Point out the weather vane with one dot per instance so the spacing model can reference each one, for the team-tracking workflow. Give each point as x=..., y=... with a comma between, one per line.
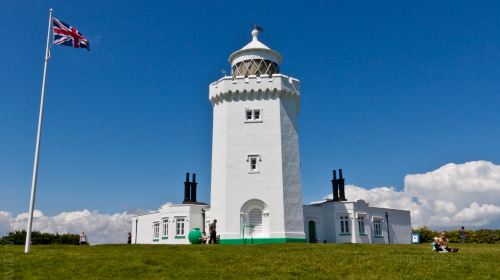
x=257, y=27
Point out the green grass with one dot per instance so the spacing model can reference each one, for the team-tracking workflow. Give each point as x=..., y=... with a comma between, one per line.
x=280, y=261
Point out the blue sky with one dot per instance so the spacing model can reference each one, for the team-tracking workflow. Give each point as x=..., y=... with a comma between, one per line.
x=388, y=89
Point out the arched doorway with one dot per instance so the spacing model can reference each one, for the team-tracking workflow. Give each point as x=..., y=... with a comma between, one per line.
x=254, y=219
x=312, y=231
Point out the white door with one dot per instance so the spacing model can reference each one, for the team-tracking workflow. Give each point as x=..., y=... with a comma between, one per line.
x=255, y=222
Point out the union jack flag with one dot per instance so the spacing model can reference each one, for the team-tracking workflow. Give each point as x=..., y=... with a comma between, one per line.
x=68, y=35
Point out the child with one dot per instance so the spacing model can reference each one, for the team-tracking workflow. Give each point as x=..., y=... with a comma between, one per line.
x=436, y=247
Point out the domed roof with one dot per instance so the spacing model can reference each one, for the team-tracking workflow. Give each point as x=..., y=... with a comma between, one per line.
x=255, y=50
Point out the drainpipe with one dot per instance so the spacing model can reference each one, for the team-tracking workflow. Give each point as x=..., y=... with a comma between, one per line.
x=136, y=221
x=203, y=220
x=388, y=231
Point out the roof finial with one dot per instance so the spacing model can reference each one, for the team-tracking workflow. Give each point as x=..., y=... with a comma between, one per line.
x=256, y=30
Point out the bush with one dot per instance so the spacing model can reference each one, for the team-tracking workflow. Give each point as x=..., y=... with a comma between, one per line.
x=426, y=234
x=472, y=236
x=38, y=238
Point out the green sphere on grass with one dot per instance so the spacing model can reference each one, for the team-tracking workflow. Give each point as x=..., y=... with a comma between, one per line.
x=195, y=236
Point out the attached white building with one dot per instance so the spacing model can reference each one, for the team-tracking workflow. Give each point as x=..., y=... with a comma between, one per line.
x=171, y=224
x=256, y=193
x=355, y=222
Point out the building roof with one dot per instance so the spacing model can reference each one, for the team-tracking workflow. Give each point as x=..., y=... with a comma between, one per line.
x=256, y=48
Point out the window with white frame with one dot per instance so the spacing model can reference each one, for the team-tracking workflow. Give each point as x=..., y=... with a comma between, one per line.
x=253, y=163
x=344, y=224
x=253, y=115
x=377, y=227
x=165, y=227
x=156, y=230
x=361, y=225
x=179, y=226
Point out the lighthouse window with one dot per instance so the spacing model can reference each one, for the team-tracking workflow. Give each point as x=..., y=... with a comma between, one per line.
x=179, y=226
x=249, y=115
x=253, y=115
x=253, y=163
x=256, y=114
x=344, y=224
x=156, y=230
x=257, y=67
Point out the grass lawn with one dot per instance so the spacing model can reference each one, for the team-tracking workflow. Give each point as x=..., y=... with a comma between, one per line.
x=280, y=261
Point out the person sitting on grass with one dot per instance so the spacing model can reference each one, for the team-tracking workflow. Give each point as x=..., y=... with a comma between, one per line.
x=204, y=238
x=436, y=247
x=443, y=243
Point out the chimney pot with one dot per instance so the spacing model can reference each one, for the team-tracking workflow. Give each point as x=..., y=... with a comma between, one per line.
x=187, y=191
x=335, y=186
x=193, y=189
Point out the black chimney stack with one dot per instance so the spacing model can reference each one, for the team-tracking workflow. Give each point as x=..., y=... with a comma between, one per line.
x=193, y=189
x=335, y=186
x=187, y=195
x=341, y=186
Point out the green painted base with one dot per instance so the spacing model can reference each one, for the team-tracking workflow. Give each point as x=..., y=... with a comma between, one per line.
x=262, y=240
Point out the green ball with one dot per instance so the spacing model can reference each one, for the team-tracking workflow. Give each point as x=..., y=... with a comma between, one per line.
x=195, y=236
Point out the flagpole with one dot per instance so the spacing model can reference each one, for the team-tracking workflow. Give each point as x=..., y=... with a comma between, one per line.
x=38, y=138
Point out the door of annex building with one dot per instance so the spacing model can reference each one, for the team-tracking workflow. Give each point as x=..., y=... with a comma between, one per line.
x=312, y=232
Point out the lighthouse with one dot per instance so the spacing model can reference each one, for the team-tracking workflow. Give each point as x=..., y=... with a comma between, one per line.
x=255, y=186
x=256, y=194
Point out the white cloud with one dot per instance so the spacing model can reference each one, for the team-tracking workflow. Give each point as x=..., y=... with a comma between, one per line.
x=453, y=195
x=100, y=228
x=5, y=219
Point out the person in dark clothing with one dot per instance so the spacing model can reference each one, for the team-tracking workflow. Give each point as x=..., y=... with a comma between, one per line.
x=213, y=232
x=462, y=234
x=129, y=239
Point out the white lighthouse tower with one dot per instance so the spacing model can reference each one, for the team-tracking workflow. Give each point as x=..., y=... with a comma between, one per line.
x=256, y=191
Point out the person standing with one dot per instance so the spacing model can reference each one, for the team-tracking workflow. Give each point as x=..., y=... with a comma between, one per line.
x=129, y=239
x=462, y=234
x=213, y=232
x=83, y=239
